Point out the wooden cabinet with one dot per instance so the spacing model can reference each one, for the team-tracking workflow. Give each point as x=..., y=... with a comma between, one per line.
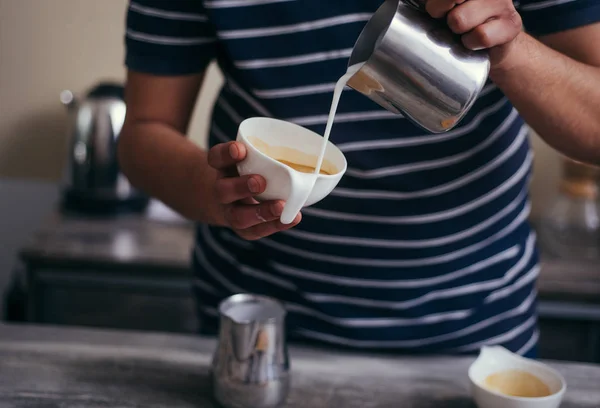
x=94, y=298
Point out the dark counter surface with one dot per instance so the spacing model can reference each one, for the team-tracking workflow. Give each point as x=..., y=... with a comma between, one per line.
x=145, y=243
x=135, y=239
x=24, y=205
x=569, y=281
x=72, y=368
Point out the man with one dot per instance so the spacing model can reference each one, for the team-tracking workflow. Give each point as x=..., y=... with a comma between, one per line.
x=425, y=244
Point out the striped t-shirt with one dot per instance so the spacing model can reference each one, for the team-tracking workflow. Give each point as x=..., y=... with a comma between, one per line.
x=425, y=244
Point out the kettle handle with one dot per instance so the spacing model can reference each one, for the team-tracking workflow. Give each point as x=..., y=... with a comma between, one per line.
x=107, y=90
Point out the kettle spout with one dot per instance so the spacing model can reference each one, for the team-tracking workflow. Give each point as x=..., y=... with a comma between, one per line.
x=68, y=99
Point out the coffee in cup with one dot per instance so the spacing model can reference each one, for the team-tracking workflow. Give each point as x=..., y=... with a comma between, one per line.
x=284, y=154
x=294, y=158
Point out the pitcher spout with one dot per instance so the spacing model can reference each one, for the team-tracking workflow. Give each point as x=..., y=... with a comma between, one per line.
x=495, y=354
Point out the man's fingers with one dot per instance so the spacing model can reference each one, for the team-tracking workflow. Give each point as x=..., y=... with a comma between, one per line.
x=249, y=200
x=226, y=155
x=267, y=228
x=242, y=216
x=491, y=34
x=470, y=14
x=233, y=189
x=439, y=8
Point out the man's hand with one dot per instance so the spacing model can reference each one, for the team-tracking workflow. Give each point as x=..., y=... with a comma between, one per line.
x=483, y=24
x=250, y=219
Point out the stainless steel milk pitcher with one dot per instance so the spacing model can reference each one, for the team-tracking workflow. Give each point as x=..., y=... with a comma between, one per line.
x=412, y=64
x=251, y=367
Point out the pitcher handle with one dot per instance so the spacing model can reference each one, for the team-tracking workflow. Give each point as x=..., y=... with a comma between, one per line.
x=418, y=4
x=301, y=186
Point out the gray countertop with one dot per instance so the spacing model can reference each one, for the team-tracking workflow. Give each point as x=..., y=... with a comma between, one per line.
x=136, y=240
x=73, y=368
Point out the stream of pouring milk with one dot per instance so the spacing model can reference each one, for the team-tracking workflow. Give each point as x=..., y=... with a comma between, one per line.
x=337, y=93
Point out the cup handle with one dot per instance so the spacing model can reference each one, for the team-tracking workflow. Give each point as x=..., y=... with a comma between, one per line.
x=300, y=189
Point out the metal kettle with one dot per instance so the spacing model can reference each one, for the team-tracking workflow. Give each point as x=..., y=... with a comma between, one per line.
x=92, y=180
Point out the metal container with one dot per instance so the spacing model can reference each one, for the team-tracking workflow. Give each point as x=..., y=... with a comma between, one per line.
x=250, y=368
x=412, y=64
x=92, y=180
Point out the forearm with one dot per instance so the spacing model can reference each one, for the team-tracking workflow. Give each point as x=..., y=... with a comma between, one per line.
x=557, y=96
x=159, y=160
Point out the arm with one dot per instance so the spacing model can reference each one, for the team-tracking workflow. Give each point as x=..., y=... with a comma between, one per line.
x=153, y=152
x=555, y=86
x=203, y=186
x=169, y=45
x=554, y=80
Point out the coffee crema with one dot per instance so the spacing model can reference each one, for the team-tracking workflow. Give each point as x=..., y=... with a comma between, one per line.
x=293, y=158
x=516, y=383
x=302, y=168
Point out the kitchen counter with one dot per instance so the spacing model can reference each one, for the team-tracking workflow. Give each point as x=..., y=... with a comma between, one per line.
x=72, y=368
x=24, y=205
x=145, y=244
x=125, y=271
x=572, y=281
x=134, y=240
x=133, y=272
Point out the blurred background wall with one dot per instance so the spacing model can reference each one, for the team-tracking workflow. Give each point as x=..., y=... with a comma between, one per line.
x=50, y=45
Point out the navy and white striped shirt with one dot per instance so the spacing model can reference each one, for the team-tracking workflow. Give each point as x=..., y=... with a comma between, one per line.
x=425, y=244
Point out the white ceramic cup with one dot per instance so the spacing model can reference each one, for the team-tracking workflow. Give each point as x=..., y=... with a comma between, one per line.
x=493, y=359
x=277, y=138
